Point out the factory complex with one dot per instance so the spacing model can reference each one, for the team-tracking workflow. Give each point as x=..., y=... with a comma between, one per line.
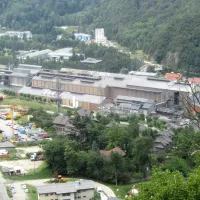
x=91, y=89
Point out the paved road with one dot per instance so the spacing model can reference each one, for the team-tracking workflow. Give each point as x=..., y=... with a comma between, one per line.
x=3, y=192
x=7, y=130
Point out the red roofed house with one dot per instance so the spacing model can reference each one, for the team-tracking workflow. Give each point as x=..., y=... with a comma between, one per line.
x=173, y=76
x=194, y=80
x=107, y=154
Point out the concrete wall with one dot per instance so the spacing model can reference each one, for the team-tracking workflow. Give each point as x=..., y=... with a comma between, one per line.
x=8, y=148
x=20, y=80
x=85, y=105
x=84, y=194
x=80, y=195
x=54, y=196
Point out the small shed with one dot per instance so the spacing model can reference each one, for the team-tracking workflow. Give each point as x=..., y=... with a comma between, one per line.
x=7, y=146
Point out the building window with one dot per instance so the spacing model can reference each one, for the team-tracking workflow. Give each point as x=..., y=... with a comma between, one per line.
x=46, y=195
x=84, y=196
x=51, y=193
x=79, y=197
x=66, y=194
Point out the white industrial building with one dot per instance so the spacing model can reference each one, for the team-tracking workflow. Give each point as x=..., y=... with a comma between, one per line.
x=43, y=54
x=100, y=36
x=61, y=54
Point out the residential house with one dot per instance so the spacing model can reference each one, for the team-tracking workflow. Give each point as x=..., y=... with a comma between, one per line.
x=81, y=190
x=107, y=154
x=64, y=126
x=163, y=142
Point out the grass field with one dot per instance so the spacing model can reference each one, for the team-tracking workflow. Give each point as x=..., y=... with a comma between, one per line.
x=9, y=100
x=121, y=190
x=32, y=195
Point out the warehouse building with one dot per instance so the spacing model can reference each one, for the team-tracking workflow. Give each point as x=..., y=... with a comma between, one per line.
x=43, y=54
x=111, y=85
x=61, y=54
x=20, y=76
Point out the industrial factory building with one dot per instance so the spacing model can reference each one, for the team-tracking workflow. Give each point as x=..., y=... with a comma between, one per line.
x=110, y=85
x=20, y=76
x=89, y=89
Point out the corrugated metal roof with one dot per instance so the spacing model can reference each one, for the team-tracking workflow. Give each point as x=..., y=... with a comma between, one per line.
x=70, y=187
x=133, y=82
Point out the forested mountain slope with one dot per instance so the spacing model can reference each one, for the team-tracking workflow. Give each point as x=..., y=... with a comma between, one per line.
x=156, y=26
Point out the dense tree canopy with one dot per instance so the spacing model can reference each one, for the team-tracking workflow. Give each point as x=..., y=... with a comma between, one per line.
x=160, y=28
x=171, y=186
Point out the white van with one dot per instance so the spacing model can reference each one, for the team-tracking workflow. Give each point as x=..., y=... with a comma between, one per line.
x=99, y=190
x=3, y=152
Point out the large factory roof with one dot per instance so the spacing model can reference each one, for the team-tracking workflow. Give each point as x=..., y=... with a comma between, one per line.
x=91, y=61
x=135, y=99
x=65, y=52
x=34, y=69
x=38, y=53
x=121, y=81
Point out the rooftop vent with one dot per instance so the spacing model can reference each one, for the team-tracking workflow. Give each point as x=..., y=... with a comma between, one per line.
x=66, y=79
x=46, y=76
x=118, y=77
x=157, y=79
x=87, y=81
x=75, y=92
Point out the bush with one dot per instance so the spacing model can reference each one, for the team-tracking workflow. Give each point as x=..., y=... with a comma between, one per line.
x=138, y=176
x=28, y=155
x=123, y=119
x=9, y=192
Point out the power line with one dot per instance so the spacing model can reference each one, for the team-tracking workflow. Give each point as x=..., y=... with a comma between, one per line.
x=58, y=89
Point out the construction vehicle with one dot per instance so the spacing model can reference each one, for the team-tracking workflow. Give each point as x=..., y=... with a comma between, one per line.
x=37, y=156
x=59, y=179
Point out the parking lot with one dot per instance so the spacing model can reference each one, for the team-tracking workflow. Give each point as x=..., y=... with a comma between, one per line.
x=7, y=130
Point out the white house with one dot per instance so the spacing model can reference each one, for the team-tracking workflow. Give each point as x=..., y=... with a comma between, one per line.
x=82, y=190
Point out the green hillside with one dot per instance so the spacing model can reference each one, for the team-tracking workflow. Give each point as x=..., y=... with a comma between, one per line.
x=158, y=27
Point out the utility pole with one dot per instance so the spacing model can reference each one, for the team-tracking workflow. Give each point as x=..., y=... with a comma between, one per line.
x=58, y=93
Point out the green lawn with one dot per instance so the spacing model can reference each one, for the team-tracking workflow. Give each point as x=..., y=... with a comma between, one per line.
x=70, y=29
x=10, y=100
x=43, y=172
x=32, y=195
x=121, y=190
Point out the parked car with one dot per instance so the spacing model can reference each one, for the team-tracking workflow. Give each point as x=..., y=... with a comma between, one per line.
x=9, y=123
x=3, y=152
x=99, y=190
x=185, y=122
x=24, y=187
x=15, y=127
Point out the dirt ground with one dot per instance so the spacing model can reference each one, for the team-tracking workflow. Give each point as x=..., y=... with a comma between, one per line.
x=25, y=150
x=25, y=164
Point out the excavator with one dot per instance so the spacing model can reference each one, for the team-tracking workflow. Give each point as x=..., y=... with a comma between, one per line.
x=58, y=178
x=10, y=115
